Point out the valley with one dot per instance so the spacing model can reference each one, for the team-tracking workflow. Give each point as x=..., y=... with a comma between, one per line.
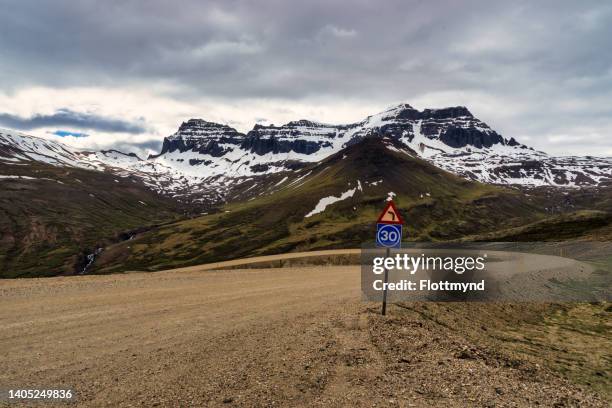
x=437, y=204
x=213, y=191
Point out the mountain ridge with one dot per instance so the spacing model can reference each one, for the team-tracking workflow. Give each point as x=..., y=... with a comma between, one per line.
x=330, y=204
x=211, y=163
x=98, y=212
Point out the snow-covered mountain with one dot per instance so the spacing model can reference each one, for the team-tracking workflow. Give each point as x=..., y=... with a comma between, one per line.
x=451, y=138
x=211, y=163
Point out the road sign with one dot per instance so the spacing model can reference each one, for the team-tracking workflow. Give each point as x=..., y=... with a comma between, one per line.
x=389, y=235
x=390, y=215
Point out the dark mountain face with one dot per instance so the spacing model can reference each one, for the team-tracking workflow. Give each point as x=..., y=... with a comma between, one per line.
x=208, y=138
x=200, y=136
x=256, y=143
x=405, y=111
x=302, y=137
x=461, y=137
x=446, y=113
x=455, y=126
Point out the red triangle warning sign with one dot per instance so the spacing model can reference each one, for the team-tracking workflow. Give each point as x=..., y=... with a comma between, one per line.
x=390, y=215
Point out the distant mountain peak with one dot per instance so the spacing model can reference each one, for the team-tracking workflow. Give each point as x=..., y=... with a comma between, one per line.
x=198, y=123
x=400, y=111
x=211, y=162
x=446, y=113
x=201, y=136
x=201, y=127
x=305, y=123
x=405, y=111
x=399, y=107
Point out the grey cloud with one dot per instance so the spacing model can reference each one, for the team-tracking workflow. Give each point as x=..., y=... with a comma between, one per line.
x=296, y=50
x=528, y=53
x=69, y=118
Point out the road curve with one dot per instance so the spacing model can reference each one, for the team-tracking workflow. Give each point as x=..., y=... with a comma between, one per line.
x=197, y=336
x=269, y=258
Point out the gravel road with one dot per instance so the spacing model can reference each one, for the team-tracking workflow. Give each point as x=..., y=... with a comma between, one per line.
x=254, y=337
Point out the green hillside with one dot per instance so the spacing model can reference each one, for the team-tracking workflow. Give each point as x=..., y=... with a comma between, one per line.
x=52, y=217
x=584, y=224
x=435, y=204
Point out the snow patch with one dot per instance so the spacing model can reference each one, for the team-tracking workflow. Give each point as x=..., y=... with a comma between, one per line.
x=16, y=177
x=326, y=201
x=282, y=181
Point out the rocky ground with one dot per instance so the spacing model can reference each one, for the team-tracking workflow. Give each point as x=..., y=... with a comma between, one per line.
x=291, y=337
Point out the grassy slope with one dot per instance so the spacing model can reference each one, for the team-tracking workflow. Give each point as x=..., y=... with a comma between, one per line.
x=47, y=226
x=436, y=205
x=584, y=224
x=572, y=339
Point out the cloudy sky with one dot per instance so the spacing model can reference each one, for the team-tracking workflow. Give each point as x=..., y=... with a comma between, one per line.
x=124, y=74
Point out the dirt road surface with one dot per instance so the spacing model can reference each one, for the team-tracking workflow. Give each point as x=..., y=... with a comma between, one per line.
x=259, y=337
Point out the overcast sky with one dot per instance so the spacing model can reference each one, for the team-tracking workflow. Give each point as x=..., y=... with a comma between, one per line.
x=125, y=74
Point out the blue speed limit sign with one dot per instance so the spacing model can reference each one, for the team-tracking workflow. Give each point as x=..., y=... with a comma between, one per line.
x=389, y=235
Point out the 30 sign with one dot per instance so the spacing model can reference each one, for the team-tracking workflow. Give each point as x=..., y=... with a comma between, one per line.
x=389, y=227
x=389, y=235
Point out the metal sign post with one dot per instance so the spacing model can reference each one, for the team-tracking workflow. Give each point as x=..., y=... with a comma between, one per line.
x=384, y=305
x=388, y=235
